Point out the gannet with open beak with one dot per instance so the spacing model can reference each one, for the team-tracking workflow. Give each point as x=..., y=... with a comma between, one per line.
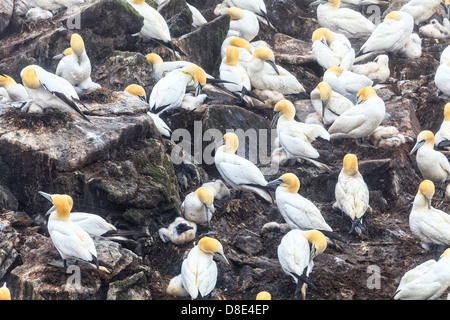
x=258, y=7
x=199, y=270
x=168, y=93
x=243, y=24
x=362, y=119
x=427, y=281
x=429, y=225
x=240, y=173
x=420, y=10
x=391, y=35
x=5, y=294
x=378, y=69
x=442, y=78
x=351, y=193
x=296, y=254
x=346, y=82
x=48, y=90
x=198, y=206
x=76, y=66
x=328, y=103
x=442, y=136
x=155, y=27
x=297, y=211
x=265, y=74
x=179, y=232
x=346, y=21
x=332, y=49
x=16, y=91
x=296, y=137
x=139, y=92
x=433, y=165
x=71, y=241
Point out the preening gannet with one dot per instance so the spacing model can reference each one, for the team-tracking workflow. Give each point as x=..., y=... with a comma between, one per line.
x=346, y=21
x=178, y=232
x=296, y=254
x=243, y=24
x=199, y=270
x=139, y=92
x=362, y=119
x=442, y=78
x=16, y=91
x=332, y=49
x=297, y=211
x=265, y=74
x=198, y=206
x=258, y=7
x=5, y=294
x=328, y=103
x=351, y=193
x=378, y=69
x=391, y=35
x=345, y=82
x=429, y=225
x=76, y=66
x=442, y=136
x=296, y=137
x=168, y=93
x=48, y=90
x=197, y=18
x=427, y=281
x=240, y=173
x=420, y=10
x=433, y=165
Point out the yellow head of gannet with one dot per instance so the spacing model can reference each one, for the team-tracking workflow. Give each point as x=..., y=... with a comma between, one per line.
x=6, y=80
x=205, y=195
x=231, y=142
x=153, y=58
x=198, y=75
x=77, y=44
x=350, y=164
x=62, y=206
x=212, y=246
x=232, y=56
x=283, y=108
x=325, y=93
x=365, y=93
x=426, y=137
x=335, y=70
x=266, y=54
x=335, y=3
x=138, y=1
x=288, y=182
x=240, y=43
x=137, y=90
x=393, y=16
x=447, y=110
x=446, y=253
x=235, y=13
x=426, y=189
x=29, y=78
x=264, y=295
x=317, y=240
x=5, y=294
x=322, y=34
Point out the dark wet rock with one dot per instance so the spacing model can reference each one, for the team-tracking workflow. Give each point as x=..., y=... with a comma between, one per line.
x=6, y=11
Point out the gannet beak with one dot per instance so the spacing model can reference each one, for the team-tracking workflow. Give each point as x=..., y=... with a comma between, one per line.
x=273, y=65
x=276, y=115
x=275, y=182
x=323, y=110
x=198, y=90
x=417, y=146
x=46, y=196
x=59, y=56
x=429, y=203
x=222, y=257
x=312, y=253
x=50, y=210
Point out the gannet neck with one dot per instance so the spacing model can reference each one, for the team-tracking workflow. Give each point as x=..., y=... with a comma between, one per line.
x=205, y=195
x=350, y=164
x=77, y=44
x=232, y=56
x=231, y=142
x=447, y=111
x=235, y=13
x=62, y=207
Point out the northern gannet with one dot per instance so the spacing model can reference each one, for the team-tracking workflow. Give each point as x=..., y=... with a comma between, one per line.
x=245, y=49
x=362, y=119
x=346, y=82
x=16, y=91
x=442, y=136
x=199, y=270
x=198, y=206
x=332, y=49
x=351, y=193
x=240, y=173
x=429, y=225
x=243, y=24
x=5, y=293
x=296, y=254
x=48, y=90
x=378, y=69
x=442, y=78
x=391, y=35
x=179, y=232
x=197, y=18
x=420, y=10
x=76, y=67
x=346, y=21
x=258, y=7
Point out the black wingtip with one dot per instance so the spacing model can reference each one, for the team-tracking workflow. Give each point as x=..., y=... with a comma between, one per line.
x=182, y=227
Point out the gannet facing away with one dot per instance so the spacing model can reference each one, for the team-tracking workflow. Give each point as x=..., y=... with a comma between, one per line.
x=296, y=254
x=378, y=69
x=76, y=67
x=328, y=103
x=351, y=193
x=429, y=225
x=427, y=281
x=179, y=232
x=16, y=91
x=442, y=136
x=240, y=173
x=346, y=21
x=265, y=74
x=198, y=206
x=362, y=119
x=199, y=270
x=48, y=90
x=420, y=10
x=433, y=165
x=332, y=49
x=243, y=24
x=5, y=294
x=297, y=211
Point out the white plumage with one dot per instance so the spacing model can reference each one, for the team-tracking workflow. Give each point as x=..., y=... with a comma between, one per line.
x=178, y=232
x=198, y=206
x=442, y=78
x=346, y=82
x=378, y=69
x=420, y=10
x=243, y=24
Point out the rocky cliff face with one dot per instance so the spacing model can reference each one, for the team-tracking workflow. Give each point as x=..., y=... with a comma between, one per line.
x=120, y=167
